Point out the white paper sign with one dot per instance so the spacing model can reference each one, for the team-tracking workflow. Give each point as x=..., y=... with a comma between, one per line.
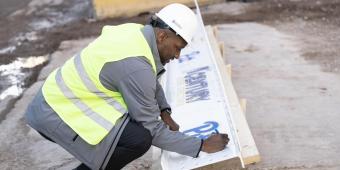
x=194, y=90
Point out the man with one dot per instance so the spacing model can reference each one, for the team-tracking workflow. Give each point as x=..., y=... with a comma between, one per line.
x=103, y=104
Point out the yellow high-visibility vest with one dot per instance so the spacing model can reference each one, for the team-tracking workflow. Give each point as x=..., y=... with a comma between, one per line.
x=75, y=92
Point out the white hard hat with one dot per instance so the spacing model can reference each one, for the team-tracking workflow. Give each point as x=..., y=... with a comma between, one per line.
x=181, y=19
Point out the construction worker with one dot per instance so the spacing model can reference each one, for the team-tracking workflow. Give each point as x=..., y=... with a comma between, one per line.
x=103, y=105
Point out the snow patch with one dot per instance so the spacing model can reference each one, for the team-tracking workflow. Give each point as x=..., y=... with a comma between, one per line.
x=29, y=62
x=28, y=36
x=15, y=76
x=11, y=91
x=9, y=49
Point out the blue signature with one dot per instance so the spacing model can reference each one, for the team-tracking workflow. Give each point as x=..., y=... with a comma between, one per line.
x=203, y=131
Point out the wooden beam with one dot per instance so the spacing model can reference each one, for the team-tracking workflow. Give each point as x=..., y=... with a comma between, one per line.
x=221, y=46
x=127, y=8
x=228, y=69
x=247, y=144
x=230, y=164
x=215, y=31
x=243, y=103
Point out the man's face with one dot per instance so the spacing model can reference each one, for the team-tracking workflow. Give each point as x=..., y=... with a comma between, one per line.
x=169, y=45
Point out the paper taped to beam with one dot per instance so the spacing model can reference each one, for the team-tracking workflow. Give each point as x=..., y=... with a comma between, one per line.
x=194, y=90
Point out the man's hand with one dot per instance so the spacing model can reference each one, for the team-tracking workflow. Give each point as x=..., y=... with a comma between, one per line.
x=215, y=143
x=169, y=121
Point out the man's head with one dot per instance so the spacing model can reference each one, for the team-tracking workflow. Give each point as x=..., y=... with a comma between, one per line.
x=174, y=26
x=169, y=44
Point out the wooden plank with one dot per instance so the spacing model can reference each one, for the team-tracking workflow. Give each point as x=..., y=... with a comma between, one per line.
x=128, y=8
x=215, y=30
x=248, y=147
x=228, y=70
x=221, y=43
x=243, y=103
x=230, y=164
x=221, y=46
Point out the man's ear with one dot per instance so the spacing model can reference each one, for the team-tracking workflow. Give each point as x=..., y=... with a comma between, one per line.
x=161, y=35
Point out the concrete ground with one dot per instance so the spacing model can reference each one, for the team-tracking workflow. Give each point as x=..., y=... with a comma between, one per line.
x=26, y=149
x=292, y=105
x=285, y=60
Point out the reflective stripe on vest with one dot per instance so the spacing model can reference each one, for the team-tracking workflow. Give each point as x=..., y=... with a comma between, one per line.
x=92, y=88
x=75, y=92
x=81, y=106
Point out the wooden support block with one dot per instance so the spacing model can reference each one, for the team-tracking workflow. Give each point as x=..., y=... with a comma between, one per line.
x=215, y=31
x=230, y=164
x=249, y=152
x=128, y=8
x=243, y=103
x=228, y=69
x=251, y=159
x=221, y=46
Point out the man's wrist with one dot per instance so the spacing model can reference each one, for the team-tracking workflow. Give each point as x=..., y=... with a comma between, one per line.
x=167, y=110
